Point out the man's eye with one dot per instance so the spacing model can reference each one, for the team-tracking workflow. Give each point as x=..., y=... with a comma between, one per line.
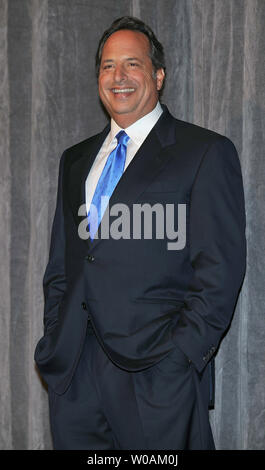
x=133, y=64
x=109, y=66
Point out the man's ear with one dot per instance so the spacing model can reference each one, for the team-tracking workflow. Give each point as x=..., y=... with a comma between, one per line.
x=160, y=76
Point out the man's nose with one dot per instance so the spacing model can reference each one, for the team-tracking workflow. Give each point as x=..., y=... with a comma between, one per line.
x=119, y=73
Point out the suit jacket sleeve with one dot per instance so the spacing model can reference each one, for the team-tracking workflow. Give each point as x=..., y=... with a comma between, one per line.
x=54, y=281
x=217, y=253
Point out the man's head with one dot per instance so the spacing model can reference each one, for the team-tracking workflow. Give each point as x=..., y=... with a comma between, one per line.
x=130, y=68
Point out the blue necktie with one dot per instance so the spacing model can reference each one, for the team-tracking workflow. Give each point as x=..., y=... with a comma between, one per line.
x=107, y=182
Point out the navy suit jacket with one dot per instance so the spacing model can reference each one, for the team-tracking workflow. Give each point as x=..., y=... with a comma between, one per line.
x=143, y=299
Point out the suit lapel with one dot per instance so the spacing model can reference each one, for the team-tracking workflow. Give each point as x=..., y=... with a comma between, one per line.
x=78, y=173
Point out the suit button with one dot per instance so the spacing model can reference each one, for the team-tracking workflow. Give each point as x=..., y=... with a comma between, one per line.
x=83, y=305
x=89, y=258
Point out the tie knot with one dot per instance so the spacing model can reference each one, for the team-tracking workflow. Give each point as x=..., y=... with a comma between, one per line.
x=122, y=138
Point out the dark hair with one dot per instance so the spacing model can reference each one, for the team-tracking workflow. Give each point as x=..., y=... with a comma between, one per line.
x=134, y=24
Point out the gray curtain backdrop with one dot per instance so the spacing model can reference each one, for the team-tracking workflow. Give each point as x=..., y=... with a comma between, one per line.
x=48, y=101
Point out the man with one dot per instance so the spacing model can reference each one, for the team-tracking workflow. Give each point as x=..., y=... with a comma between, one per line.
x=133, y=319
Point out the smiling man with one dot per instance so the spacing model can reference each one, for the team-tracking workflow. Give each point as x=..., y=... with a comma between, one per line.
x=128, y=84
x=131, y=327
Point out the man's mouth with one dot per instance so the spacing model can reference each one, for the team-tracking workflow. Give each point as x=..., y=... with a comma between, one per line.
x=123, y=90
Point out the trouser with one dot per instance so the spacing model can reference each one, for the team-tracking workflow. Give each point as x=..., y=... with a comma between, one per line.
x=106, y=407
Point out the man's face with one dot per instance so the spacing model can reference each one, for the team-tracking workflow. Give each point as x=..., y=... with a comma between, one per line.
x=128, y=86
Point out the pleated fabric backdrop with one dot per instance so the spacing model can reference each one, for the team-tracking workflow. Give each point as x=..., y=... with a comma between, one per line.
x=48, y=101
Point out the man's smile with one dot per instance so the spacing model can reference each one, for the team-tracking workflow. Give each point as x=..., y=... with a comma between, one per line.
x=123, y=90
x=122, y=93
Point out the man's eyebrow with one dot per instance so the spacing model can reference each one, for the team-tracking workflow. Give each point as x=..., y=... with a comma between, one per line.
x=127, y=58
x=134, y=58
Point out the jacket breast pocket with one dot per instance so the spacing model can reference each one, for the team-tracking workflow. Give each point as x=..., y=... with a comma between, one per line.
x=163, y=193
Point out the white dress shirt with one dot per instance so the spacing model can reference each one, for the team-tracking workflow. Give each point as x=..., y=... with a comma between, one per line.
x=138, y=131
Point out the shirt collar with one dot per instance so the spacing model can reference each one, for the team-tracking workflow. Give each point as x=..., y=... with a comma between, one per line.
x=139, y=130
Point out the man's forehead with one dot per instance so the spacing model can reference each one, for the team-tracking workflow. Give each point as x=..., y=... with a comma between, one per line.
x=126, y=39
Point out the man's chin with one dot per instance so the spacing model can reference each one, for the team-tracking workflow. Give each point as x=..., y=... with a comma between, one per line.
x=121, y=110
